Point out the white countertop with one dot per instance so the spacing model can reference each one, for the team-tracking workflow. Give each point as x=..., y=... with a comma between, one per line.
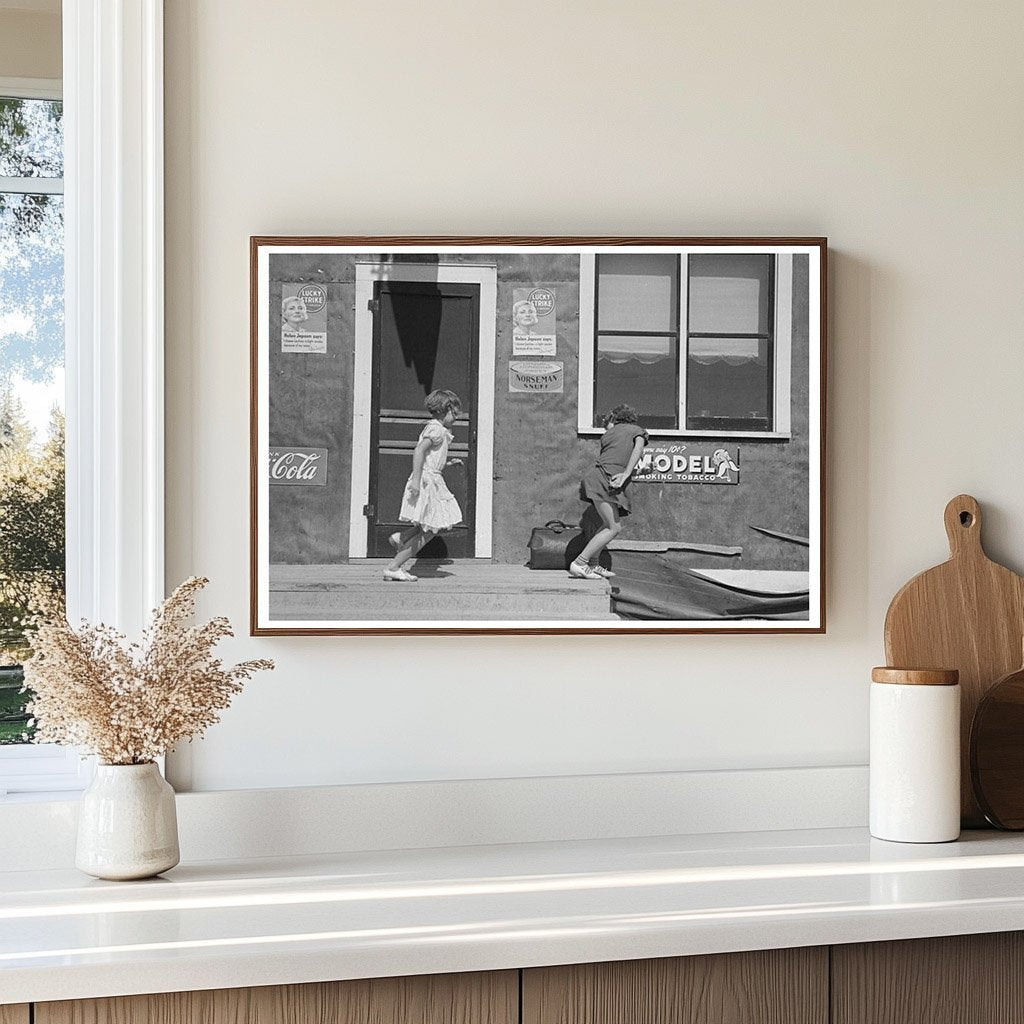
x=226, y=924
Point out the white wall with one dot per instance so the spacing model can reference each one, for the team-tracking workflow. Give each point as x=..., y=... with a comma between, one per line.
x=894, y=129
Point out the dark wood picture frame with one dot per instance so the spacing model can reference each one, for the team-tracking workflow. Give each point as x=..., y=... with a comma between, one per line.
x=388, y=245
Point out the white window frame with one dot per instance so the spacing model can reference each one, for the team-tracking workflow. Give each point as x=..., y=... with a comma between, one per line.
x=44, y=766
x=114, y=347
x=783, y=348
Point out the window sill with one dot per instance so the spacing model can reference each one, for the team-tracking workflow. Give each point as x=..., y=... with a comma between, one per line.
x=330, y=917
x=52, y=796
x=43, y=771
x=697, y=435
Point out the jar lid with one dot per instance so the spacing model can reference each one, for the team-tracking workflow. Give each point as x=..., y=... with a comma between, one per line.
x=916, y=676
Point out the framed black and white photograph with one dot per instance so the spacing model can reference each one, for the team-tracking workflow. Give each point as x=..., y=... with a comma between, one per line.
x=585, y=435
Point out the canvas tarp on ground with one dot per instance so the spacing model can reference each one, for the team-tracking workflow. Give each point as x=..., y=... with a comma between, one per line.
x=659, y=586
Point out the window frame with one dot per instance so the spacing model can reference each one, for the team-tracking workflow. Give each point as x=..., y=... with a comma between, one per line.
x=37, y=767
x=112, y=89
x=680, y=340
x=782, y=330
x=684, y=412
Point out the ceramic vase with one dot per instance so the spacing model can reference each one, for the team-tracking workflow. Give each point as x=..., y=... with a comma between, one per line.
x=127, y=825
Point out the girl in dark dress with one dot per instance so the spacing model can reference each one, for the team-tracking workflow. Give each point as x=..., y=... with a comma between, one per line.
x=604, y=486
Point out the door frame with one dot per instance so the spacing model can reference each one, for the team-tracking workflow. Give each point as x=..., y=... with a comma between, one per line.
x=367, y=274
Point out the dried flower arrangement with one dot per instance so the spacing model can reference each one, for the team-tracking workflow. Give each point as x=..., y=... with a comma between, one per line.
x=130, y=703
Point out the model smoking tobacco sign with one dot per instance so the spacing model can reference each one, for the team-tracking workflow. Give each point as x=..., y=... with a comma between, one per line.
x=683, y=464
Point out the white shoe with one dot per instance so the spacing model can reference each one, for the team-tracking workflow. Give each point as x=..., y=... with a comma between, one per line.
x=602, y=571
x=582, y=571
x=399, y=576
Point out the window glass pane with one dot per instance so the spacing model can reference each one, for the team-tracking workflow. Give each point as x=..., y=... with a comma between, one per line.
x=425, y=335
x=637, y=371
x=734, y=350
x=637, y=292
x=31, y=429
x=730, y=293
x=31, y=138
x=728, y=384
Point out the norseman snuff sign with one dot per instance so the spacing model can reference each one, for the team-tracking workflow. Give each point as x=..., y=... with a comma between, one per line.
x=525, y=377
x=682, y=464
x=298, y=466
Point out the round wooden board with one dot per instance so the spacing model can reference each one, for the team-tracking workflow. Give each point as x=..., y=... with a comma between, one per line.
x=997, y=752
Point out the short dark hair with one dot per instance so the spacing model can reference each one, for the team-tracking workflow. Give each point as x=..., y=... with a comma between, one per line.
x=441, y=401
x=624, y=414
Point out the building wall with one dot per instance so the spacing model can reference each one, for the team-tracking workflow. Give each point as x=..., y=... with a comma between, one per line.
x=892, y=128
x=538, y=453
x=538, y=456
x=311, y=407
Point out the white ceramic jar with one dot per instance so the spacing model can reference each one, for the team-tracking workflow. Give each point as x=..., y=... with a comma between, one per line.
x=127, y=823
x=915, y=755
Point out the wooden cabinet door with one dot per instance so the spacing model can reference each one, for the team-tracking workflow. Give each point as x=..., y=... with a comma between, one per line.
x=960, y=979
x=778, y=986
x=482, y=998
x=14, y=1014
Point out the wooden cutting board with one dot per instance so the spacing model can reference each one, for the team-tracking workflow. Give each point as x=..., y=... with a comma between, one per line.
x=967, y=614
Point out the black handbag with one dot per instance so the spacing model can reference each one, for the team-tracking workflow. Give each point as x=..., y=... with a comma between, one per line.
x=554, y=545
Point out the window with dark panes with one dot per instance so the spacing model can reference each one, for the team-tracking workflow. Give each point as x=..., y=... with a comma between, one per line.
x=730, y=314
x=727, y=310
x=31, y=386
x=637, y=318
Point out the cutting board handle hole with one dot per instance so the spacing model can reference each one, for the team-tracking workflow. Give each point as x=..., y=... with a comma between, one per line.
x=966, y=519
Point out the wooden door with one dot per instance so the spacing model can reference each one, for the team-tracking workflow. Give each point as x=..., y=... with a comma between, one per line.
x=482, y=998
x=425, y=336
x=14, y=1014
x=773, y=986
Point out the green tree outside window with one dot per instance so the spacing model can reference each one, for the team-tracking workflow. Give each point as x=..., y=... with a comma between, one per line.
x=32, y=544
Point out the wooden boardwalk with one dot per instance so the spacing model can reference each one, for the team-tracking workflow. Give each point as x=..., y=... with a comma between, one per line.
x=445, y=591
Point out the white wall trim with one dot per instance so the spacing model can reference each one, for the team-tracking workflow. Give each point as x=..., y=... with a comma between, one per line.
x=243, y=824
x=486, y=384
x=585, y=381
x=682, y=339
x=113, y=83
x=656, y=432
x=362, y=382
x=783, y=398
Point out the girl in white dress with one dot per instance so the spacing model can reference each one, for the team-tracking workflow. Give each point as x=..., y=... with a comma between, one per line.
x=427, y=504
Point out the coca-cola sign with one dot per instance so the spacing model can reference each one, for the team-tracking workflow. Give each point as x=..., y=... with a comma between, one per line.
x=298, y=466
